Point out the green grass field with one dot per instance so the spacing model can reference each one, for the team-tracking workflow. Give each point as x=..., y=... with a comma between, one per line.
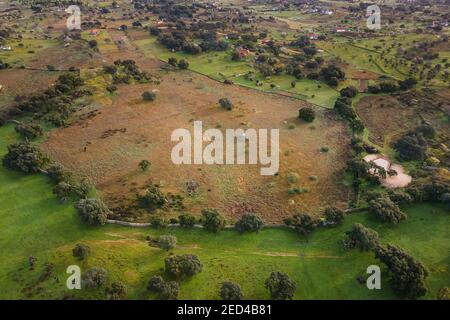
x=219, y=66
x=34, y=223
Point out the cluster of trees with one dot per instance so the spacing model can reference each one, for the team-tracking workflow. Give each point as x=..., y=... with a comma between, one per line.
x=305, y=223
x=25, y=157
x=30, y=130
x=177, y=40
x=390, y=86
x=407, y=274
x=126, y=71
x=332, y=74
x=56, y=103
x=343, y=106
x=97, y=277
x=413, y=145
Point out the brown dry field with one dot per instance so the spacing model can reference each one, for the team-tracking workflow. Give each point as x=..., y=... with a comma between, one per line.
x=130, y=130
x=388, y=117
x=17, y=81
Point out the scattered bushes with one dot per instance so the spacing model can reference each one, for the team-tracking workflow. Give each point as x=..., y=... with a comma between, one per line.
x=280, y=286
x=231, y=291
x=181, y=266
x=212, y=220
x=93, y=211
x=249, y=222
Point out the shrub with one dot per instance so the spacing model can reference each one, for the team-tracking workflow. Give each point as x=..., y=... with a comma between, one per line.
x=116, y=291
x=173, y=61
x=361, y=237
x=226, y=103
x=411, y=147
x=93, y=43
x=94, y=277
x=386, y=210
x=167, y=242
x=280, y=286
x=29, y=131
x=158, y=222
x=63, y=191
x=93, y=211
x=230, y=291
x=187, y=220
x=182, y=266
x=349, y=92
x=292, y=177
x=144, y=165
x=212, y=220
x=25, y=157
x=302, y=223
x=170, y=291
x=153, y=198
x=334, y=215
x=57, y=173
x=155, y=284
x=307, y=114
x=149, y=96
x=81, y=251
x=407, y=274
x=249, y=222
x=183, y=64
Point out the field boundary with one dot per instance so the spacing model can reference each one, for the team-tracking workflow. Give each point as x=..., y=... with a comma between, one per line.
x=230, y=226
